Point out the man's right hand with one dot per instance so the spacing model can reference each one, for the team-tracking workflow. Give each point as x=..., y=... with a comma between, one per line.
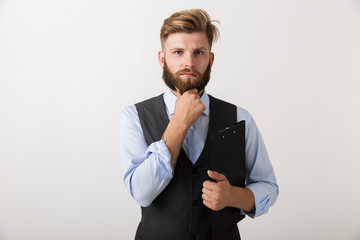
x=188, y=107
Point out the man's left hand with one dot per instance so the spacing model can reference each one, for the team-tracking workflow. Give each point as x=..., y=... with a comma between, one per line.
x=216, y=194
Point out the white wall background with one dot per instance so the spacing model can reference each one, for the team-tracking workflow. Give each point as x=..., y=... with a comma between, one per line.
x=67, y=69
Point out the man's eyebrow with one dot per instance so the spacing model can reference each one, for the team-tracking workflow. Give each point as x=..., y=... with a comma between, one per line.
x=202, y=48
x=196, y=49
x=176, y=49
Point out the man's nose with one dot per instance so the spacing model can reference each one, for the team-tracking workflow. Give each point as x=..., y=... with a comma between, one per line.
x=189, y=61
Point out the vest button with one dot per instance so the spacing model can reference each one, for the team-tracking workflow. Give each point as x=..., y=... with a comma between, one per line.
x=194, y=171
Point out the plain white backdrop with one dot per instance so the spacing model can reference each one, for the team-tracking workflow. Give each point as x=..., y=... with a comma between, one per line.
x=68, y=68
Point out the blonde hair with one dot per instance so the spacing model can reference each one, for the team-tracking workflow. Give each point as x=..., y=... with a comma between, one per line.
x=189, y=21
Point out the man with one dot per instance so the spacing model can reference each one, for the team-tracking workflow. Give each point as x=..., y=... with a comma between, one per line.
x=165, y=148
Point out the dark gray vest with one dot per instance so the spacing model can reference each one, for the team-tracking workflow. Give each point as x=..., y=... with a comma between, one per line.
x=178, y=213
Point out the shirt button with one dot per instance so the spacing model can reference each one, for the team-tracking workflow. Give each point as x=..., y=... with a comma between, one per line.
x=192, y=128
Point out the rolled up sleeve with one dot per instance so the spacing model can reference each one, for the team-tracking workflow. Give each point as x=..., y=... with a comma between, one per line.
x=147, y=169
x=260, y=176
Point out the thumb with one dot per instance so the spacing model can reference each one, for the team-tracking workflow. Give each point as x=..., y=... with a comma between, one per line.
x=216, y=176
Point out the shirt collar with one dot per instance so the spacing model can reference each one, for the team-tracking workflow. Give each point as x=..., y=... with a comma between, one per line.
x=170, y=99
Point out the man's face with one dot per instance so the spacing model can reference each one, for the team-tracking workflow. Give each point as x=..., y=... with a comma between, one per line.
x=186, y=60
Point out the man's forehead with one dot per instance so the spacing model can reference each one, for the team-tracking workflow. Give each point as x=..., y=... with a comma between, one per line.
x=187, y=40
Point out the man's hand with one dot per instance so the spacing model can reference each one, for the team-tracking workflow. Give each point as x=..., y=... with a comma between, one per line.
x=188, y=108
x=216, y=194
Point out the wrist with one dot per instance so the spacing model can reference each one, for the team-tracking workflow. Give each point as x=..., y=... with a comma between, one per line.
x=242, y=198
x=179, y=124
x=231, y=199
x=174, y=130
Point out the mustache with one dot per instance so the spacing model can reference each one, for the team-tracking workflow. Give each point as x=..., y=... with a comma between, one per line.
x=187, y=70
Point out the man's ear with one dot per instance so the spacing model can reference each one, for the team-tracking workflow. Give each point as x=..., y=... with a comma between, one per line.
x=161, y=56
x=212, y=56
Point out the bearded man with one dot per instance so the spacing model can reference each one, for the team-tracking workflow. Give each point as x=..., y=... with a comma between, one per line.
x=165, y=150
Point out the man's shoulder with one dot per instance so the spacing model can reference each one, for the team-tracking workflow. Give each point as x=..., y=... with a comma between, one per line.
x=132, y=109
x=151, y=100
x=129, y=112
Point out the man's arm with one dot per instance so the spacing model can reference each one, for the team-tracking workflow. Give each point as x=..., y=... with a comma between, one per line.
x=148, y=169
x=261, y=189
x=188, y=109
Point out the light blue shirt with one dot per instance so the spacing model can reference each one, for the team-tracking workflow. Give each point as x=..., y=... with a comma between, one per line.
x=147, y=169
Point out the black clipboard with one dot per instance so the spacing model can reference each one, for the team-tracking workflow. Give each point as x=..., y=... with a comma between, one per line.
x=228, y=158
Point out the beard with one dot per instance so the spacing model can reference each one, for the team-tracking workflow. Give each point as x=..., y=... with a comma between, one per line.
x=176, y=82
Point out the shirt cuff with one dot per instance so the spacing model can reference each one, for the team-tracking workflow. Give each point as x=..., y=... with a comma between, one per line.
x=262, y=198
x=161, y=154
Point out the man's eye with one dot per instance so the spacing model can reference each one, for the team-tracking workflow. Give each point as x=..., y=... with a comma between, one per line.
x=199, y=52
x=177, y=52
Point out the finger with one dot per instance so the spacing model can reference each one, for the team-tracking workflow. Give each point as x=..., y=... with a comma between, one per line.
x=216, y=176
x=206, y=197
x=209, y=185
x=207, y=192
x=207, y=204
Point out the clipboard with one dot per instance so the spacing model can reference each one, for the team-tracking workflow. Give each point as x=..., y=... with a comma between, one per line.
x=228, y=158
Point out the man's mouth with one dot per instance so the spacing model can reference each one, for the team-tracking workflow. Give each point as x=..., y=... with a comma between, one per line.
x=188, y=74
